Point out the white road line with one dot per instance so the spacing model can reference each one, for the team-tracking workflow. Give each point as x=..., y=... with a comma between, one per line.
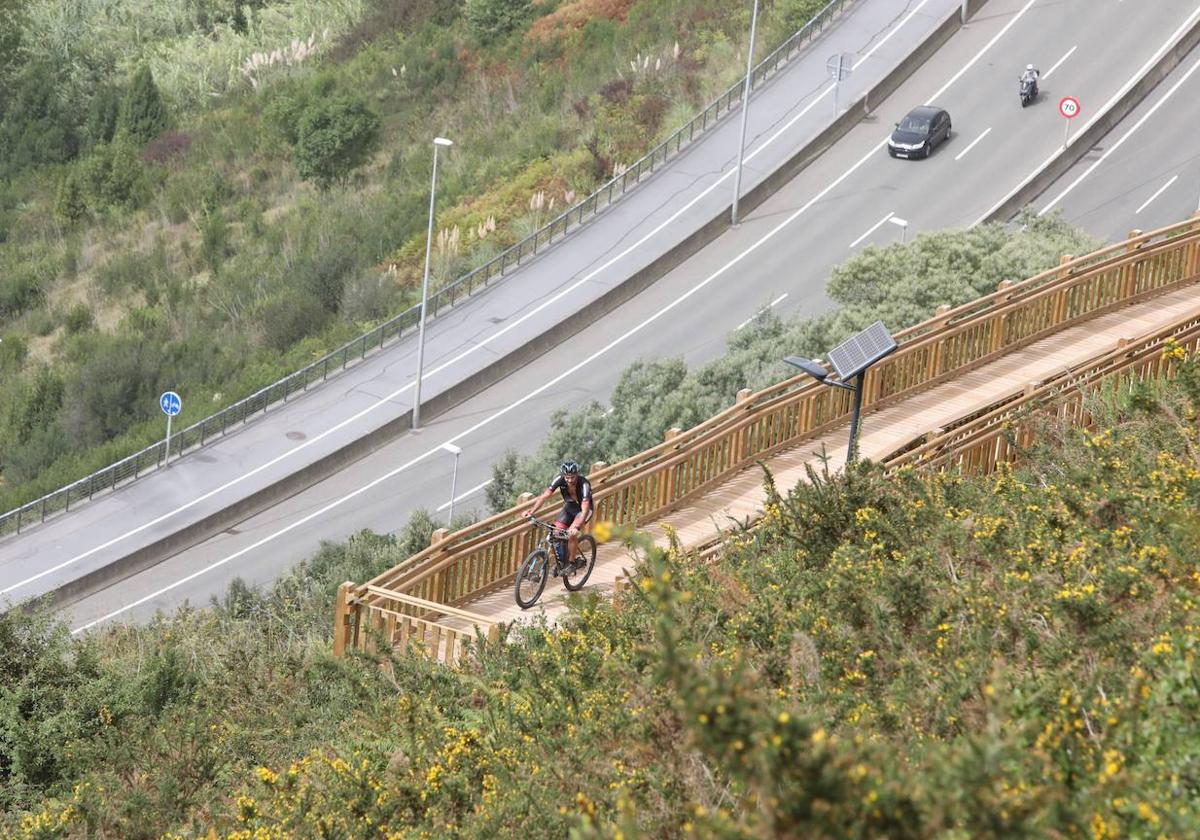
x=464, y=495
x=1124, y=137
x=1160, y=191
x=1058, y=63
x=468, y=352
x=874, y=150
x=770, y=305
x=971, y=146
x=872, y=229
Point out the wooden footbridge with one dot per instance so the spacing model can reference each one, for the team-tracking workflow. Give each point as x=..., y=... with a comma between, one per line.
x=954, y=395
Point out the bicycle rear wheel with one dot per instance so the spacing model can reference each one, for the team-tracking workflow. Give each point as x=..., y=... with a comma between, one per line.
x=531, y=578
x=577, y=575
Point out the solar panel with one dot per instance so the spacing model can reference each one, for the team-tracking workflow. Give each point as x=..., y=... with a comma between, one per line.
x=857, y=353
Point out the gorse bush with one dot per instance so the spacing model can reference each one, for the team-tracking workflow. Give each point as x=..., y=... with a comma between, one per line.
x=905, y=655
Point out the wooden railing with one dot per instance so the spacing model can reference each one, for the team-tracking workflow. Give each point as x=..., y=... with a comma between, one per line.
x=1001, y=434
x=479, y=559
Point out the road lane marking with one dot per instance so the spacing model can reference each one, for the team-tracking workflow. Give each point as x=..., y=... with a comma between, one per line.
x=971, y=146
x=1058, y=63
x=1125, y=137
x=872, y=229
x=465, y=495
x=872, y=152
x=1160, y=191
x=469, y=351
x=770, y=305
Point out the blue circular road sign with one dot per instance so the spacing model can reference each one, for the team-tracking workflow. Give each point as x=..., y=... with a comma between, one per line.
x=170, y=403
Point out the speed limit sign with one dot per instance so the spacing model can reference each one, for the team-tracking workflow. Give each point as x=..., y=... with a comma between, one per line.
x=1069, y=107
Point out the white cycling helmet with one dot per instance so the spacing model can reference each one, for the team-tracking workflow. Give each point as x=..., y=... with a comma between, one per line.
x=1028, y=66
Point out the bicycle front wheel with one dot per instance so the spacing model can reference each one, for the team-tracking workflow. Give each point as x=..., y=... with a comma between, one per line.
x=531, y=578
x=581, y=569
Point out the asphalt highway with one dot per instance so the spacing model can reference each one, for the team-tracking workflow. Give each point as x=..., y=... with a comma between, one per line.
x=780, y=255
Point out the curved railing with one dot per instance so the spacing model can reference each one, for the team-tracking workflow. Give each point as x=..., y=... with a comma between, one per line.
x=216, y=425
x=469, y=563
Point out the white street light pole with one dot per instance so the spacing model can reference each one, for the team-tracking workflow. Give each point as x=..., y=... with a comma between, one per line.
x=903, y=223
x=455, y=451
x=737, y=181
x=416, y=413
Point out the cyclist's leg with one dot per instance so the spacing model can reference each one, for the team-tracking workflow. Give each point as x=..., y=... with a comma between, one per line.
x=563, y=521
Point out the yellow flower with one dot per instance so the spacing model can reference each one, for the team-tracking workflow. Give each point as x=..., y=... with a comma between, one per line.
x=602, y=531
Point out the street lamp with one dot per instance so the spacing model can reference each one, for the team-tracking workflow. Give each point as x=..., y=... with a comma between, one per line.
x=416, y=414
x=737, y=180
x=903, y=224
x=850, y=360
x=455, y=451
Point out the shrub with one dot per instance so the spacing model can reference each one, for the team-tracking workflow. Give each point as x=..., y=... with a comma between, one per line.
x=334, y=138
x=79, y=318
x=289, y=316
x=14, y=347
x=113, y=175
x=143, y=113
x=69, y=206
x=104, y=111
x=491, y=20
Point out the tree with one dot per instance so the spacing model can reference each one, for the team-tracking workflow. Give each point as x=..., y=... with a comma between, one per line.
x=334, y=138
x=491, y=20
x=143, y=112
x=69, y=205
x=104, y=112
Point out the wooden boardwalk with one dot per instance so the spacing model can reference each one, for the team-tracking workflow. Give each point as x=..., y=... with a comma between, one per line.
x=884, y=431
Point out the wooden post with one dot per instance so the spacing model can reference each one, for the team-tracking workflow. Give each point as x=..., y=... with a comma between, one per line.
x=438, y=582
x=341, y=618
x=667, y=492
x=1060, y=300
x=739, y=437
x=1129, y=270
x=523, y=502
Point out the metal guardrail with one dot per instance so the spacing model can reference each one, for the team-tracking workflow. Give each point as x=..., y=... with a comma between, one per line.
x=216, y=425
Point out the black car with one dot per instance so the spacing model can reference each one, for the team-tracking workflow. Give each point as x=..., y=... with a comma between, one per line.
x=917, y=134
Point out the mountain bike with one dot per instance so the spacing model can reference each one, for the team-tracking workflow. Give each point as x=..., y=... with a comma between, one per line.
x=538, y=567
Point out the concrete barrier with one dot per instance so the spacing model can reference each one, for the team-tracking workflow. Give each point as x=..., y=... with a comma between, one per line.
x=213, y=524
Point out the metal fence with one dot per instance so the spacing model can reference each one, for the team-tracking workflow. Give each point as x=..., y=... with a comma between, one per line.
x=216, y=425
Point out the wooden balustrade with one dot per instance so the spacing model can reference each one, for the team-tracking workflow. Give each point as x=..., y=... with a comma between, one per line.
x=485, y=556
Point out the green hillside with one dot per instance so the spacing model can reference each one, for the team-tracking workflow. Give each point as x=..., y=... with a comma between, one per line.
x=206, y=195
x=884, y=656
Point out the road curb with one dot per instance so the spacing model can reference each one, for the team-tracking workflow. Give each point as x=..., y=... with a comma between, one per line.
x=218, y=521
x=1040, y=181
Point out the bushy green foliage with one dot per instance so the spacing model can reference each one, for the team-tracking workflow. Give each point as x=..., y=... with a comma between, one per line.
x=333, y=138
x=905, y=655
x=491, y=20
x=900, y=285
x=143, y=114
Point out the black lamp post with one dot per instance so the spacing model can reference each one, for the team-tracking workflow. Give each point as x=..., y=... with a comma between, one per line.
x=850, y=360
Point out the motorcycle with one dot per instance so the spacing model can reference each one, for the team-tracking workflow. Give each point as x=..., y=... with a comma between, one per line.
x=1029, y=91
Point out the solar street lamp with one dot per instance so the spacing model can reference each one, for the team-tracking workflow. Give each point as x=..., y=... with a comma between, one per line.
x=850, y=360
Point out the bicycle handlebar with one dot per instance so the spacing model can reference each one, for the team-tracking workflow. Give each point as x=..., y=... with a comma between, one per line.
x=558, y=533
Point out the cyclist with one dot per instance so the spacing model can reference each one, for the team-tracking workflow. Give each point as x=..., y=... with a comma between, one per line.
x=576, y=493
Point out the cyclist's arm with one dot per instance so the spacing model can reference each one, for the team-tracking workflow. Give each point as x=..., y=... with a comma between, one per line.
x=537, y=503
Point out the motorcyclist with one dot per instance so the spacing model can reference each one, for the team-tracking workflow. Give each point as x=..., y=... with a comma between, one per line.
x=1031, y=75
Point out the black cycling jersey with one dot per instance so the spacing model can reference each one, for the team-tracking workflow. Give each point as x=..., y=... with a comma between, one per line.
x=583, y=488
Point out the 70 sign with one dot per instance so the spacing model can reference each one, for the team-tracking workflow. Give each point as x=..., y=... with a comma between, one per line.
x=1068, y=106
